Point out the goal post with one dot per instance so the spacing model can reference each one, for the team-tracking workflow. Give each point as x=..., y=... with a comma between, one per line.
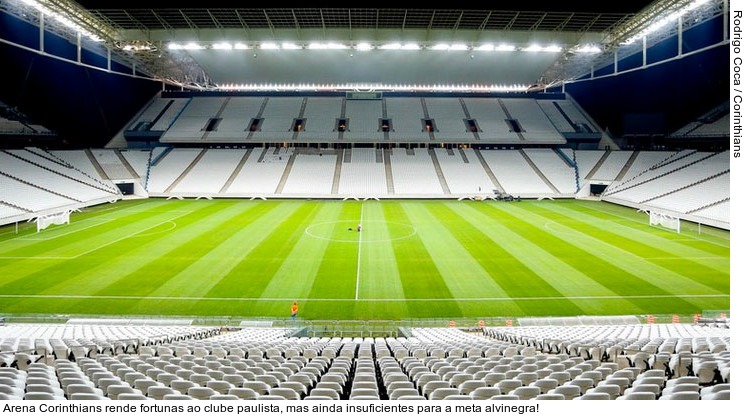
x=664, y=220
x=44, y=221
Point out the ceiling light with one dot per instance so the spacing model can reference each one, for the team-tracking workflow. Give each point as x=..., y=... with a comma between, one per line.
x=391, y=46
x=484, y=48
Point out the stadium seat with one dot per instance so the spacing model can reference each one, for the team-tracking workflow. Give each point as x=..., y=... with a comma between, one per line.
x=550, y=396
x=594, y=396
x=507, y=385
x=526, y=392
x=157, y=392
x=401, y=392
x=329, y=393
x=177, y=397
x=37, y=396
x=633, y=396
x=131, y=397
x=568, y=391
x=285, y=393
x=441, y=393
x=243, y=393
x=681, y=395
x=724, y=394
x=431, y=386
x=364, y=393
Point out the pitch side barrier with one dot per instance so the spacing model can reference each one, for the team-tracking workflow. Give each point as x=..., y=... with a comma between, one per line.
x=371, y=328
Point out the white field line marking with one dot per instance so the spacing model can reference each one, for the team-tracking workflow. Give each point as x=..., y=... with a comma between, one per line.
x=49, y=236
x=694, y=238
x=549, y=226
x=92, y=249
x=126, y=237
x=198, y=298
x=359, y=254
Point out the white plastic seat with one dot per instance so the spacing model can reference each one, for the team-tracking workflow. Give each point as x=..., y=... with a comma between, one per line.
x=637, y=396
x=486, y=392
x=622, y=382
x=158, y=392
x=82, y=388
x=594, y=396
x=545, y=384
x=131, y=397
x=329, y=393
x=680, y=387
x=526, y=392
x=550, y=397
x=243, y=393
x=507, y=385
x=431, y=386
x=439, y=394
x=681, y=396
x=568, y=391
x=114, y=391
x=42, y=396
x=584, y=383
x=182, y=385
x=505, y=397
x=468, y=386
x=724, y=394
x=262, y=388
x=398, y=385
x=298, y=387
x=364, y=394
x=285, y=393
x=613, y=390
x=655, y=389
x=54, y=390
x=401, y=392
x=79, y=396
x=177, y=397
x=707, y=390
x=219, y=386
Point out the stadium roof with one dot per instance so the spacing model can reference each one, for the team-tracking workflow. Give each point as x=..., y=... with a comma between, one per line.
x=226, y=44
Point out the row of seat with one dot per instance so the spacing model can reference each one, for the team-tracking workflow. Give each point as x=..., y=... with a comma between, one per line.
x=431, y=364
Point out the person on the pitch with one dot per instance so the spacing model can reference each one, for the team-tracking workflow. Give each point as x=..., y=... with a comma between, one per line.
x=294, y=309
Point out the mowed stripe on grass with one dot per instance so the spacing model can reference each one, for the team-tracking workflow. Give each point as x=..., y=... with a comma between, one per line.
x=438, y=259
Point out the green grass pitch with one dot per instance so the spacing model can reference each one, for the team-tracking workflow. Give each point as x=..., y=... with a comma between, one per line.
x=412, y=259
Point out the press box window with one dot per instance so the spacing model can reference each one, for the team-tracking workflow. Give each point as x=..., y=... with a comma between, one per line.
x=514, y=125
x=255, y=125
x=386, y=125
x=471, y=125
x=213, y=124
x=428, y=125
x=298, y=124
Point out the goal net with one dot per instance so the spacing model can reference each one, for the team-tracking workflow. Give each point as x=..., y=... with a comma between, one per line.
x=664, y=220
x=43, y=222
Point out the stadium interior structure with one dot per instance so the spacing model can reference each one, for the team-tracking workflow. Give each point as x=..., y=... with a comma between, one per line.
x=102, y=105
